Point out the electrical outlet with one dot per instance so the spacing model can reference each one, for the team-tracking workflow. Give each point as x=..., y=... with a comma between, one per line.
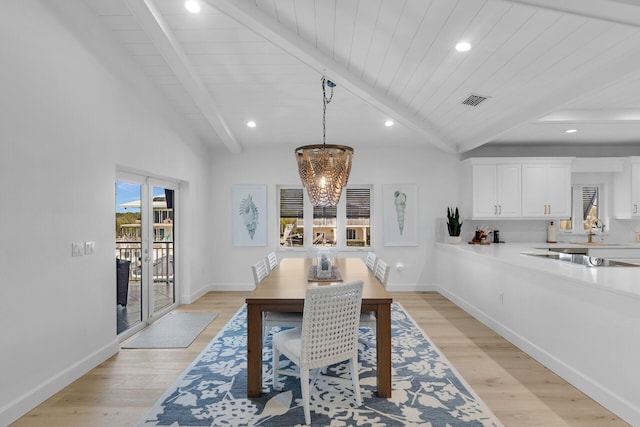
x=89, y=248
x=77, y=249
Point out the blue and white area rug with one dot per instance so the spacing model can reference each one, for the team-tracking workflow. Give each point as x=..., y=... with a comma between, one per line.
x=426, y=389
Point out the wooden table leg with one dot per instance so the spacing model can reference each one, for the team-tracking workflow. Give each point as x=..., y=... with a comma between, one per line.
x=254, y=350
x=383, y=347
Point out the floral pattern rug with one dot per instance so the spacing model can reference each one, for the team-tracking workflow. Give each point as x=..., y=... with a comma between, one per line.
x=426, y=389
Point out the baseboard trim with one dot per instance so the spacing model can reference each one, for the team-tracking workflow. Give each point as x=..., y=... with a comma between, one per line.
x=393, y=287
x=239, y=287
x=192, y=297
x=603, y=395
x=23, y=404
x=412, y=287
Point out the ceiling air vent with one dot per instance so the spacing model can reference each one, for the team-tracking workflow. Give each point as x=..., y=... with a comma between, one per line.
x=474, y=100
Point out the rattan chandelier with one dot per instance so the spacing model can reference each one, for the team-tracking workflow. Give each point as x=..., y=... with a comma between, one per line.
x=324, y=168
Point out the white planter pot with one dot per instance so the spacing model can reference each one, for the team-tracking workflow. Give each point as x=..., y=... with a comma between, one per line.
x=454, y=240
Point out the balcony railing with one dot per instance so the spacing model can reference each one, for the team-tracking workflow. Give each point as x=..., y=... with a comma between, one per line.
x=162, y=256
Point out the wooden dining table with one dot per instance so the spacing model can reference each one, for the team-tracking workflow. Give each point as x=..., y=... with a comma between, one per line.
x=284, y=290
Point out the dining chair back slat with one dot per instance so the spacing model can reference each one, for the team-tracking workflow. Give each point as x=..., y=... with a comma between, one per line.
x=272, y=261
x=382, y=272
x=371, y=261
x=260, y=271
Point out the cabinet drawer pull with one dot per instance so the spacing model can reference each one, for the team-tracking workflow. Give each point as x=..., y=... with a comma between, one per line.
x=499, y=209
x=549, y=209
x=495, y=209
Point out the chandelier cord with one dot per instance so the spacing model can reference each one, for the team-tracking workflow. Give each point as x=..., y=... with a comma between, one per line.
x=324, y=168
x=325, y=101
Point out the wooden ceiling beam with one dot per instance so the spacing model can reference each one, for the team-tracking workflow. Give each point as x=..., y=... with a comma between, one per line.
x=625, y=12
x=248, y=15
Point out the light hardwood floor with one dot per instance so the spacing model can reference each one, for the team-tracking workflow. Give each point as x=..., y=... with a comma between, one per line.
x=520, y=391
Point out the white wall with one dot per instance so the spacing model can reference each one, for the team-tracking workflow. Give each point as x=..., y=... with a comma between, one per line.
x=67, y=122
x=435, y=173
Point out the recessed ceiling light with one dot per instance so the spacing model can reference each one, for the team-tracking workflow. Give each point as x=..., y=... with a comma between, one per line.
x=463, y=46
x=571, y=131
x=251, y=124
x=192, y=6
x=389, y=123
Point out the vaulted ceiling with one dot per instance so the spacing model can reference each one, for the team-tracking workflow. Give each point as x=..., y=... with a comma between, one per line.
x=544, y=66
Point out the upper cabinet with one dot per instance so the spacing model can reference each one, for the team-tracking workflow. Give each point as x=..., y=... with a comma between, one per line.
x=635, y=188
x=495, y=188
x=627, y=190
x=546, y=189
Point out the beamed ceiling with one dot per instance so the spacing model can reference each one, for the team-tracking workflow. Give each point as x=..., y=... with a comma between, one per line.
x=544, y=66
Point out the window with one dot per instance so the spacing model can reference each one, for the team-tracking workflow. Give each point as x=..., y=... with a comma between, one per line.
x=291, y=227
x=590, y=211
x=585, y=208
x=345, y=225
x=324, y=226
x=358, y=216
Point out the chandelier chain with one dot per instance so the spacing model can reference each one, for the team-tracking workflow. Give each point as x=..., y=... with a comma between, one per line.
x=325, y=101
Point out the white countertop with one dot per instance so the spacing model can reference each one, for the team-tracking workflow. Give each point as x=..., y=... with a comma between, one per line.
x=624, y=280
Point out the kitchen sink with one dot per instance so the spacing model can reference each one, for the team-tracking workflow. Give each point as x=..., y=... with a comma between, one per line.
x=581, y=259
x=596, y=244
x=577, y=251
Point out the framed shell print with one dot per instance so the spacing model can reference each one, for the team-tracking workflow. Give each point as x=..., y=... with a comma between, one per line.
x=400, y=215
x=249, y=214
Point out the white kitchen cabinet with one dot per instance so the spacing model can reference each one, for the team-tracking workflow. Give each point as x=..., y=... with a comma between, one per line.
x=546, y=189
x=494, y=189
x=635, y=189
x=626, y=190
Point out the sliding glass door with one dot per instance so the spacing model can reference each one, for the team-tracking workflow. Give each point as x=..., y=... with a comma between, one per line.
x=145, y=251
x=161, y=256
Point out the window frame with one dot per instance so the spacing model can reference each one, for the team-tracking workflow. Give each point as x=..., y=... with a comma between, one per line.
x=341, y=221
x=305, y=234
x=576, y=208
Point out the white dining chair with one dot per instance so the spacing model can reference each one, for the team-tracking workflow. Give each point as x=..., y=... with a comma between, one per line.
x=260, y=271
x=371, y=261
x=382, y=272
x=329, y=335
x=272, y=261
x=368, y=318
x=271, y=319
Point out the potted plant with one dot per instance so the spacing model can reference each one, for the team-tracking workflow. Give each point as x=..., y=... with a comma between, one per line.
x=454, y=225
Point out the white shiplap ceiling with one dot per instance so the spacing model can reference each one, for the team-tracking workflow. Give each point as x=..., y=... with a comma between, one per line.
x=545, y=66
